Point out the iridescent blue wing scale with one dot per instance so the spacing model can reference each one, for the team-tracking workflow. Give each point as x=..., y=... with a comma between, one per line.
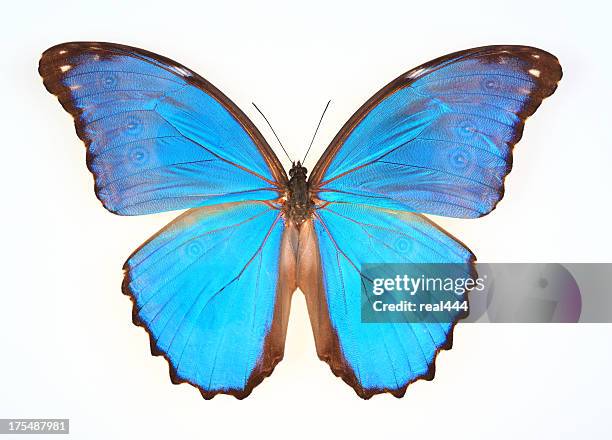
x=436, y=140
x=159, y=137
x=213, y=291
x=439, y=138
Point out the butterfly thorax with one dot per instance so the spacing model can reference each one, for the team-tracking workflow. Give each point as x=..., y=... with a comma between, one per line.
x=298, y=206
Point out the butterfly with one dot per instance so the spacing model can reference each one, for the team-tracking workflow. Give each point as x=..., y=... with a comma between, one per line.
x=213, y=288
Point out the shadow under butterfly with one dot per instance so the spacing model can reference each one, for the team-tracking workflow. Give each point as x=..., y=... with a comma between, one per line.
x=213, y=287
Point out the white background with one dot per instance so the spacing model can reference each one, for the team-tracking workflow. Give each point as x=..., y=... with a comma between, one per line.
x=68, y=346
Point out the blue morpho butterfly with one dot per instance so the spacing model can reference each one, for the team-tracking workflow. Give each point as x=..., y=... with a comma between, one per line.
x=213, y=287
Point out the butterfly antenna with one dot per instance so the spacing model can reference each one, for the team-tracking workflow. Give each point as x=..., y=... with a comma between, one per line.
x=275, y=135
x=316, y=130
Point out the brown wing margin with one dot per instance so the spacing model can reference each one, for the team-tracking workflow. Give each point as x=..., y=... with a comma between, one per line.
x=60, y=55
x=310, y=281
x=536, y=58
x=274, y=344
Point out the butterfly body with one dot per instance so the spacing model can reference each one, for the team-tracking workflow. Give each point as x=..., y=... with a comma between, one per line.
x=298, y=206
x=213, y=288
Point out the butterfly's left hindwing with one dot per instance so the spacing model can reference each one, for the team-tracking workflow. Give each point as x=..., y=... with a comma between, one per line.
x=159, y=137
x=212, y=289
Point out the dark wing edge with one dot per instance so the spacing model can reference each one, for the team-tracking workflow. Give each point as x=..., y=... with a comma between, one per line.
x=59, y=55
x=274, y=344
x=550, y=75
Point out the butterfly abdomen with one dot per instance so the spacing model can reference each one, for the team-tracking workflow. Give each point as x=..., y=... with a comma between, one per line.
x=298, y=207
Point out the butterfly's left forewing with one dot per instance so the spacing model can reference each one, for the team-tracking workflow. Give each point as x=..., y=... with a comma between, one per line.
x=159, y=137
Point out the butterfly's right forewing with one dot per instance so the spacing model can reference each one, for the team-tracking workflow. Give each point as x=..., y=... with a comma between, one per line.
x=439, y=138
